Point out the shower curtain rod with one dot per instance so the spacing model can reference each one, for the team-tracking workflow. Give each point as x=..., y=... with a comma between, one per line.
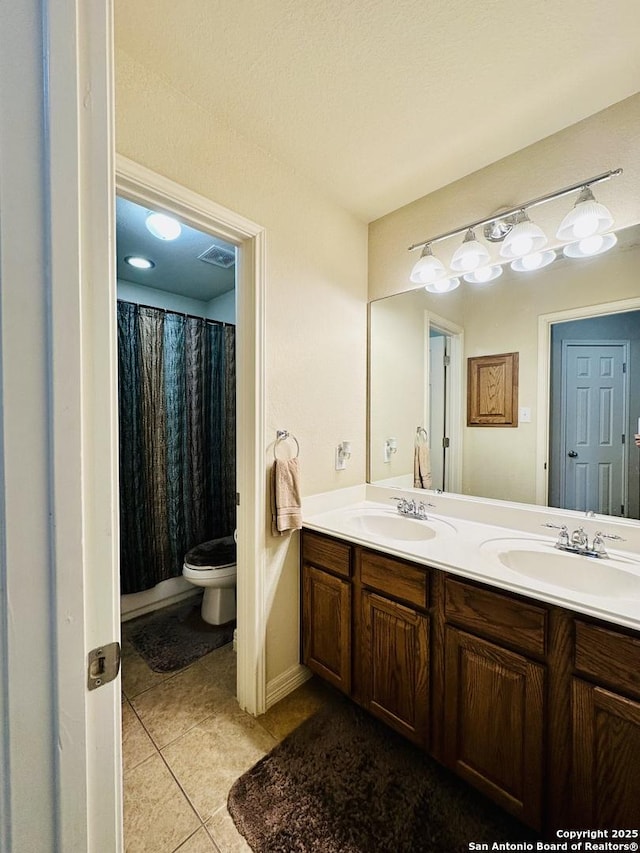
x=180, y=313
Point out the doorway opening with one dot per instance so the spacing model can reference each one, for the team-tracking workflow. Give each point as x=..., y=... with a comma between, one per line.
x=138, y=184
x=176, y=319
x=444, y=373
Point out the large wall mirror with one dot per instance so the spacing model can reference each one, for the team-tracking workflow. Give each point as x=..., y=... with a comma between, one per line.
x=575, y=326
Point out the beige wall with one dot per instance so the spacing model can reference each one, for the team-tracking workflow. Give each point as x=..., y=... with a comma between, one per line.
x=315, y=300
x=503, y=316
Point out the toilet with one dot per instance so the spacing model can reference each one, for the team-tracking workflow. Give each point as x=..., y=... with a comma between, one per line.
x=212, y=565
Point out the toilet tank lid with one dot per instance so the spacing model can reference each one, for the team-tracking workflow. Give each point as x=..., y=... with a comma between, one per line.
x=215, y=552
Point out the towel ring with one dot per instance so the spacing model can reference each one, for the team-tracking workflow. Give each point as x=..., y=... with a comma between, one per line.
x=422, y=433
x=283, y=435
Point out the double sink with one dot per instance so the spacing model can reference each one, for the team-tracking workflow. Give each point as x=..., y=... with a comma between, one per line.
x=536, y=559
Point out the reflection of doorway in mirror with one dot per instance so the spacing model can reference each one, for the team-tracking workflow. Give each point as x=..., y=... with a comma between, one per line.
x=594, y=409
x=444, y=348
x=439, y=355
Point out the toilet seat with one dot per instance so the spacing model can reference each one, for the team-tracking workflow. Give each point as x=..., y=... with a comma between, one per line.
x=216, y=555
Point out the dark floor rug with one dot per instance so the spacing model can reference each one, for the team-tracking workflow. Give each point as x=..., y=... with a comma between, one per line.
x=174, y=637
x=344, y=783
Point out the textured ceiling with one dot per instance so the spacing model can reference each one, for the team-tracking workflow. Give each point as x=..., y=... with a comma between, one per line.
x=383, y=101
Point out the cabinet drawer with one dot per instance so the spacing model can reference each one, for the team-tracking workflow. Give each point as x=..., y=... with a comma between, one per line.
x=609, y=656
x=497, y=616
x=326, y=553
x=395, y=578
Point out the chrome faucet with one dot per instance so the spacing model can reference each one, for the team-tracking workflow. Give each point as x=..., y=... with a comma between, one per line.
x=411, y=509
x=578, y=542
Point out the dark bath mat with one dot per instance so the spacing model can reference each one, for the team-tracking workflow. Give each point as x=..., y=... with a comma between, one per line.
x=344, y=783
x=174, y=637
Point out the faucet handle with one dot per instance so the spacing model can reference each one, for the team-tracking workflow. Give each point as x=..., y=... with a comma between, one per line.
x=563, y=536
x=609, y=536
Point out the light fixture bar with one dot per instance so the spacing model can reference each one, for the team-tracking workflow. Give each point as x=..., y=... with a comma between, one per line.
x=605, y=176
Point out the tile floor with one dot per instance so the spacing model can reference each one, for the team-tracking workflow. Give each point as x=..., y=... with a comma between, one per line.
x=184, y=742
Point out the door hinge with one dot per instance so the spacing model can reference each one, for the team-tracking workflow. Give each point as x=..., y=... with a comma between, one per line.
x=237, y=498
x=446, y=360
x=621, y=509
x=445, y=442
x=623, y=438
x=624, y=366
x=103, y=665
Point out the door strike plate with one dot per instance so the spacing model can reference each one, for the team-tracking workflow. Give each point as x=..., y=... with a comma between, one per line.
x=103, y=665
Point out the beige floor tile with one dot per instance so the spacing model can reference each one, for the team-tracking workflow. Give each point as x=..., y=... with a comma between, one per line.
x=136, y=743
x=157, y=816
x=224, y=833
x=136, y=674
x=222, y=663
x=200, y=842
x=173, y=707
x=210, y=757
x=294, y=709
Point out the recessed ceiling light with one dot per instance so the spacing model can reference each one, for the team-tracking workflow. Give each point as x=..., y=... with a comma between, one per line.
x=162, y=226
x=138, y=262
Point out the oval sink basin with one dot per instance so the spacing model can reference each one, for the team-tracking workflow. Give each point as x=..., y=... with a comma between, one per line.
x=539, y=560
x=387, y=524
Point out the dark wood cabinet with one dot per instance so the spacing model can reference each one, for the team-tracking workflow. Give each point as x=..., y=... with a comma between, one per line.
x=326, y=614
x=606, y=758
x=494, y=729
x=536, y=707
x=395, y=665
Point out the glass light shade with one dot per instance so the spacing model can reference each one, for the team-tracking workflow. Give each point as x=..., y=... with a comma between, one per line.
x=470, y=255
x=534, y=261
x=162, y=226
x=138, y=262
x=428, y=268
x=444, y=285
x=597, y=244
x=525, y=237
x=483, y=275
x=588, y=217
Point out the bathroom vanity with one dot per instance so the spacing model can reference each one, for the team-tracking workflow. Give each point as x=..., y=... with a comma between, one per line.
x=533, y=702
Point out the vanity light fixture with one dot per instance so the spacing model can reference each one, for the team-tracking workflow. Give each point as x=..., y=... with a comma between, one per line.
x=534, y=261
x=443, y=285
x=343, y=452
x=470, y=255
x=587, y=217
x=139, y=262
x=428, y=268
x=525, y=237
x=597, y=244
x=522, y=240
x=162, y=226
x=484, y=275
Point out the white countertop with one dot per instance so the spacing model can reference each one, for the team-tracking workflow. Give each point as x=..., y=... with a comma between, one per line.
x=471, y=549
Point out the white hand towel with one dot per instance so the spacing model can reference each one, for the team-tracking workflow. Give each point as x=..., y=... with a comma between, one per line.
x=286, y=503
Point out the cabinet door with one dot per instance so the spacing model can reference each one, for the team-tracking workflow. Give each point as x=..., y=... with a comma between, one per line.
x=606, y=757
x=395, y=665
x=326, y=619
x=494, y=722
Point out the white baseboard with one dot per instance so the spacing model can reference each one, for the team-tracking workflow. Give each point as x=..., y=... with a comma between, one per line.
x=286, y=683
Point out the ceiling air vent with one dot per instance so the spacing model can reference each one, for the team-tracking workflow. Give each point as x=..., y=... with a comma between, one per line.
x=219, y=257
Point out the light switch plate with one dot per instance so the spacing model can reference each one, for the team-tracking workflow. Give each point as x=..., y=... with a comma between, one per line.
x=524, y=415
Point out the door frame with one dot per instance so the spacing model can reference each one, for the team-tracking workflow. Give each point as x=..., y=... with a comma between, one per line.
x=147, y=188
x=455, y=408
x=545, y=322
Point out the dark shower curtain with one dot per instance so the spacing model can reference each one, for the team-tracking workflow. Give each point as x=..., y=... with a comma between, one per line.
x=177, y=439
